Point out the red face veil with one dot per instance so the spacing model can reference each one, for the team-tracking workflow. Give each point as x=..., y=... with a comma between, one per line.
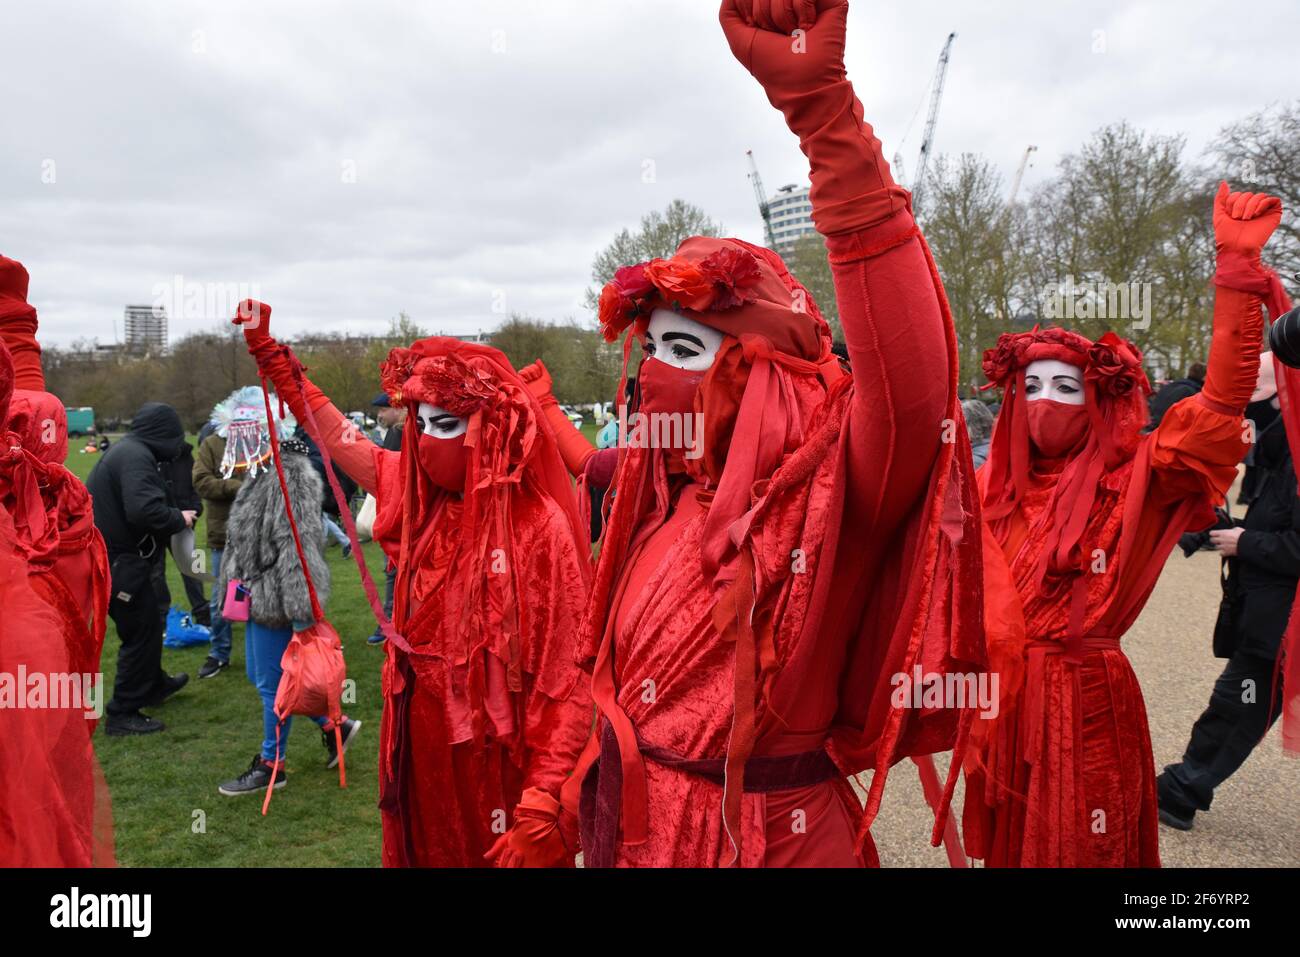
x=444, y=461
x=666, y=388
x=1056, y=428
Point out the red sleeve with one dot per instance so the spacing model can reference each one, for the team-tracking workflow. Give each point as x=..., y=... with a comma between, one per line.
x=894, y=329
x=351, y=450
x=18, y=333
x=1200, y=441
x=573, y=445
x=555, y=733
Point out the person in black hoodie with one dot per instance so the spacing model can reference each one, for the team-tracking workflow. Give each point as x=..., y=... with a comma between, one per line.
x=1263, y=561
x=133, y=514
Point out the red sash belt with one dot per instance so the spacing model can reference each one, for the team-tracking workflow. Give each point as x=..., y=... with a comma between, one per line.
x=602, y=788
x=1036, y=653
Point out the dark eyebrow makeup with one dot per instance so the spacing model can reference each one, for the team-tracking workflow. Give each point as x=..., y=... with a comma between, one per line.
x=684, y=335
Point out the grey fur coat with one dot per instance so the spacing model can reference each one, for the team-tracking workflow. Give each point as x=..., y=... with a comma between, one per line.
x=259, y=544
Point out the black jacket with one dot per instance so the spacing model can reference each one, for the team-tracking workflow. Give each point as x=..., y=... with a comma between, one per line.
x=1264, y=574
x=393, y=439
x=1169, y=394
x=132, y=507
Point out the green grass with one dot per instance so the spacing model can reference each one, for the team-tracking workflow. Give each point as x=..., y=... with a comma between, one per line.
x=161, y=782
x=163, y=785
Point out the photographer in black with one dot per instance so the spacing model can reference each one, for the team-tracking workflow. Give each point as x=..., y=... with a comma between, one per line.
x=1262, y=559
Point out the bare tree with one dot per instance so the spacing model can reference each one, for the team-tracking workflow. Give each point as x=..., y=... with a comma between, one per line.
x=657, y=237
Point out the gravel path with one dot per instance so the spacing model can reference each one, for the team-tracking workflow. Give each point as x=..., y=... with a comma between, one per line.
x=1254, y=821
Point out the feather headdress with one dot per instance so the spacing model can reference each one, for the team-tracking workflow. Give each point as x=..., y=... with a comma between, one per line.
x=240, y=419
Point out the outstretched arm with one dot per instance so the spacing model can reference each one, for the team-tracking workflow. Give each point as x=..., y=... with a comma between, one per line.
x=1200, y=440
x=890, y=302
x=353, y=452
x=574, y=447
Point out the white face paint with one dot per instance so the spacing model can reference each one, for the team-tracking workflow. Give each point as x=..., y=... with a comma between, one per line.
x=439, y=423
x=681, y=342
x=1053, y=379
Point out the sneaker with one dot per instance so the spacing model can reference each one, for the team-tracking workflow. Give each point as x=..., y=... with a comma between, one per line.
x=1173, y=813
x=255, y=779
x=171, y=685
x=202, y=616
x=349, y=730
x=347, y=550
x=120, y=725
x=212, y=667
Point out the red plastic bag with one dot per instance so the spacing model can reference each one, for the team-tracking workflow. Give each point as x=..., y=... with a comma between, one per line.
x=313, y=669
x=314, y=672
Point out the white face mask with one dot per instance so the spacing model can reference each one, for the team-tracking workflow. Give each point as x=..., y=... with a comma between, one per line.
x=1053, y=379
x=681, y=342
x=439, y=423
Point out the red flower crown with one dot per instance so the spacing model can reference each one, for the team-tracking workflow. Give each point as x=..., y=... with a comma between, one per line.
x=445, y=381
x=1113, y=365
x=722, y=280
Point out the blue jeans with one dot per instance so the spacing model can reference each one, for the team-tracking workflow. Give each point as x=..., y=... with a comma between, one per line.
x=263, y=649
x=333, y=530
x=221, y=637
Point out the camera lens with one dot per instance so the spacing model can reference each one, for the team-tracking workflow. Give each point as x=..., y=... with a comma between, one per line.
x=1284, y=338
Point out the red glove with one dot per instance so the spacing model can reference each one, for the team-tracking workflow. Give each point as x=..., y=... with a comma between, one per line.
x=538, y=379
x=536, y=839
x=273, y=359
x=803, y=76
x=1243, y=223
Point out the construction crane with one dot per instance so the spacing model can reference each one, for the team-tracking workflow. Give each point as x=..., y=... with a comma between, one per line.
x=1020, y=175
x=936, y=96
x=764, y=208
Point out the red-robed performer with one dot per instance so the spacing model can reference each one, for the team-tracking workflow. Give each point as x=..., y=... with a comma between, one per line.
x=54, y=809
x=51, y=507
x=805, y=537
x=485, y=706
x=1086, y=510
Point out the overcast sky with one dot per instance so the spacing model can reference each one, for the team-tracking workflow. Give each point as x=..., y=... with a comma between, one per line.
x=464, y=160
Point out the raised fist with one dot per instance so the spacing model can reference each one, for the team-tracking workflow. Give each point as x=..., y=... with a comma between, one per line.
x=788, y=45
x=537, y=378
x=255, y=318
x=1243, y=222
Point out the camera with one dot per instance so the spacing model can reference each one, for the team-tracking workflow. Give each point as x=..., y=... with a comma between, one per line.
x=1284, y=338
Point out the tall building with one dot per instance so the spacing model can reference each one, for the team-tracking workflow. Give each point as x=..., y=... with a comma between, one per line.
x=791, y=217
x=145, y=329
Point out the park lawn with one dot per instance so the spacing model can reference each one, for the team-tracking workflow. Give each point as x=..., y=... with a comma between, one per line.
x=166, y=809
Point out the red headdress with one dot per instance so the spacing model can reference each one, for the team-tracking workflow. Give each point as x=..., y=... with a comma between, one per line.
x=774, y=335
x=511, y=453
x=1115, y=390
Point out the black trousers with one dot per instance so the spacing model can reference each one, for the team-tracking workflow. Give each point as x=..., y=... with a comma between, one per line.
x=1224, y=735
x=140, y=613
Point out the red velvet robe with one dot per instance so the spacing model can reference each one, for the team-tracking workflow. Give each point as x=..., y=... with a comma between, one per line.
x=457, y=795
x=1067, y=777
x=865, y=516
